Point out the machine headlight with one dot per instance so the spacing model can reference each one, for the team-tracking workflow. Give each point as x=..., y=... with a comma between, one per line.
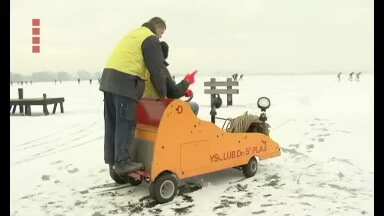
x=263, y=103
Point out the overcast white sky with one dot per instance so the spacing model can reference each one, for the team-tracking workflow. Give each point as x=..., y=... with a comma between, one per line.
x=214, y=36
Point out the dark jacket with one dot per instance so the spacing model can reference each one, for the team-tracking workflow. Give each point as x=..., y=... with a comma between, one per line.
x=120, y=83
x=175, y=90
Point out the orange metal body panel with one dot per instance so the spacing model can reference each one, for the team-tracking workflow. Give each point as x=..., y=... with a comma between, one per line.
x=146, y=132
x=189, y=146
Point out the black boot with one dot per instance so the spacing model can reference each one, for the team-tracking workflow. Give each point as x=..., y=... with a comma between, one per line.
x=117, y=178
x=122, y=168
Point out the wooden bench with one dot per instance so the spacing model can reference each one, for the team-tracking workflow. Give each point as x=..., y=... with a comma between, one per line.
x=28, y=102
x=229, y=91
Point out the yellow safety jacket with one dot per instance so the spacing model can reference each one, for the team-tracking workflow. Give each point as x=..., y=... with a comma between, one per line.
x=149, y=90
x=127, y=57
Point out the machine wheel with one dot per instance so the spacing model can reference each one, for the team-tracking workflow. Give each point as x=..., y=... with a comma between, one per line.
x=117, y=178
x=133, y=181
x=164, y=188
x=250, y=169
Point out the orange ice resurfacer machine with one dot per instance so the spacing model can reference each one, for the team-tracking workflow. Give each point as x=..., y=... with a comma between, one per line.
x=172, y=143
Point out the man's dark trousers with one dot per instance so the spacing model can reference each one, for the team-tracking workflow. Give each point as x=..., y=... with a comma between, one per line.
x=120, y=125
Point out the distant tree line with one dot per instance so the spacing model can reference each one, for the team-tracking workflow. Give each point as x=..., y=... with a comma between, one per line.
x=47, y=76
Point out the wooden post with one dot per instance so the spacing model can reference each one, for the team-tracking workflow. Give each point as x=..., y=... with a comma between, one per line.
x=21, y=96
x=213, y=80
x=213, y=114
x=61, y=107
x=45, y=110
x=54, y=108
x=229, y=96
x=28, y=110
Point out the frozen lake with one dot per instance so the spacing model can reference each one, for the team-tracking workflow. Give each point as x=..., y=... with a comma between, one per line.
x=324, y=128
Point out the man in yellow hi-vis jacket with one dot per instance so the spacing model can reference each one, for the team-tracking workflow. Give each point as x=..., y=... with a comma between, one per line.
x=122, y=83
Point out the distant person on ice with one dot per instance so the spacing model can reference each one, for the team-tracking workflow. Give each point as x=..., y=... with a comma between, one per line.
x=241, y=77
x=234, y=76
x=358, y=76
x=351, y=76
x=339, y=76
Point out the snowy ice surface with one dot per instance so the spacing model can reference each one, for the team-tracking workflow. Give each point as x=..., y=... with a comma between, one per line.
x=324, y=128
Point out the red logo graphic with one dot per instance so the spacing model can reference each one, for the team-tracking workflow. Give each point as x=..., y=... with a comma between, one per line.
x=179, y=109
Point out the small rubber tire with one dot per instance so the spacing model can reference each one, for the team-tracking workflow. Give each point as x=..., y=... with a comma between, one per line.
x=250, y=169
x=164, y=188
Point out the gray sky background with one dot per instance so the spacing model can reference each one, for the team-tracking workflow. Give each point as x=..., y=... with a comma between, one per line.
x=213, y=36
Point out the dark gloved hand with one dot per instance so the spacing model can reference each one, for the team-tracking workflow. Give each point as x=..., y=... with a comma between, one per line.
x=188, y=93
x=190, y=78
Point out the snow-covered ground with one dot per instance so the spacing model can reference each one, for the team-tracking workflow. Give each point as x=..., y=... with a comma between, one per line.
x=324, y=128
